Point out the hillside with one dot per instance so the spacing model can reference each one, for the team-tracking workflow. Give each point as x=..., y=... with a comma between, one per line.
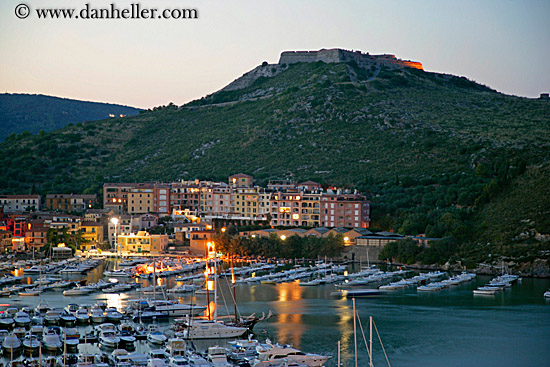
x=35, y=112
x=436, y=154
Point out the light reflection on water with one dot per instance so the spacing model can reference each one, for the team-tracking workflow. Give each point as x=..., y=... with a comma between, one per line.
x=450, y=327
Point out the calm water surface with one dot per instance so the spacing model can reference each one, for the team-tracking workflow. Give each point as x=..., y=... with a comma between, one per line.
x=451, y=327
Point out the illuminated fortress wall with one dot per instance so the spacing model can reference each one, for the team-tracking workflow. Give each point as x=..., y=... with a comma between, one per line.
x=339, y=55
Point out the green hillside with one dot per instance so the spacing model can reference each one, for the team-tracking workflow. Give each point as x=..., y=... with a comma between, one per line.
x=436, y=154
x=32, y=113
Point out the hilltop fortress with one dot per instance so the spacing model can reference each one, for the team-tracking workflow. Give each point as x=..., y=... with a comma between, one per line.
x=338, y=55
x=333, y=55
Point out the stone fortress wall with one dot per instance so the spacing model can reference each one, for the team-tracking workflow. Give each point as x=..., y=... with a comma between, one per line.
x=339, y=55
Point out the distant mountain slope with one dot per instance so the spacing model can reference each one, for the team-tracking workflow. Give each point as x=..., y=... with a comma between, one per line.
x=35, y=112
x=436, y=154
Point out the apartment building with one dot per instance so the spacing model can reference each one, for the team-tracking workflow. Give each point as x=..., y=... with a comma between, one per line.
x=344, y=210
x=115, y=196
x=246, y=202
x=70, y=202
x=141, y=199
x=13, y=203
x=143, y=242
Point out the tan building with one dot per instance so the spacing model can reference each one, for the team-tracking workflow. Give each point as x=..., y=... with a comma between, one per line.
x=5, y=241
x=310, y=213
x=141, y=199
x=70, y=202
x=246, y=202
x=199, y=240
x=241, y=180
x=143, y=242
x=92, y=234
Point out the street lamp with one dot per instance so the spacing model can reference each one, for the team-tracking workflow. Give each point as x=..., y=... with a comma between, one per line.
x=114, y=220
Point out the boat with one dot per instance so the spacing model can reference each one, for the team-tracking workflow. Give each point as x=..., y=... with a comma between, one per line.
x=11, y=344
x=77, y=291
x=243, y=349
x=97, y=315
x=547, y=294
x=52, y=317
x=366, y=292
x=109, y=339
x=51, y=341
x=175, y=347
x=112, y=315
x=68, y=319
x=488, y=291
x=6, y=321
x=71, y=308
x=82, y=316
x=22, y=319
x=273, y=355
x=29, y=293
x=155, y=336
x=208, y=329
x=178, y=361
x=31, y=344
x=217, y=356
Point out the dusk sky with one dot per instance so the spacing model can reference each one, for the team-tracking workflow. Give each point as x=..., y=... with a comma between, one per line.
x=504, y=44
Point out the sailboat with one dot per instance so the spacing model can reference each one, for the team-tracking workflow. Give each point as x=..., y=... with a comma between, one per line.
x=209, y=329
x=368, y=344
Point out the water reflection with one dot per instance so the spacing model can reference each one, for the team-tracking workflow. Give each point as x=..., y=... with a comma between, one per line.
x=288, y=308
x=345, y=326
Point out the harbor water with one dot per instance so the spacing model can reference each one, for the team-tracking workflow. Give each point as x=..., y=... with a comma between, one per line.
x=450, y=327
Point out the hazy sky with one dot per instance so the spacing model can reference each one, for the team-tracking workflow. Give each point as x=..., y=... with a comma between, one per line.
x=504, y=44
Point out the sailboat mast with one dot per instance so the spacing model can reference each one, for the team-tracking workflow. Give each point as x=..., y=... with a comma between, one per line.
x=215, y=286
x=370, y=342
x=338, y=365
x=233, y=286
x=154, y=279
x=354, y=331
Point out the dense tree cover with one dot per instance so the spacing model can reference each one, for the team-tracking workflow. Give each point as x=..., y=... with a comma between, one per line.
x=292, y=247
x=23, y=114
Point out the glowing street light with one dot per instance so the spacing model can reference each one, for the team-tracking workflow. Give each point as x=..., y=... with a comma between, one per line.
x=114, y=220
x=283, y=237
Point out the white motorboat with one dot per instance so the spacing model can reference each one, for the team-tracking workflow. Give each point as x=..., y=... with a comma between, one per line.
x=31, y=344
x=113, y=315
x=11, y=344
x=547, y=294
x=175, y=347
x=22, y=319
x=273, y=355
x=6, y=321
x=178, y=361
x=52, y=317
x=82, y=316
x=77, y=291
x=68, y=319
x=217, y=356
x=488, y=291
x=51, y=341
x=109, y=339
x=208, y=329
x=97, y=316
x=155, y=336
x=71, y=308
